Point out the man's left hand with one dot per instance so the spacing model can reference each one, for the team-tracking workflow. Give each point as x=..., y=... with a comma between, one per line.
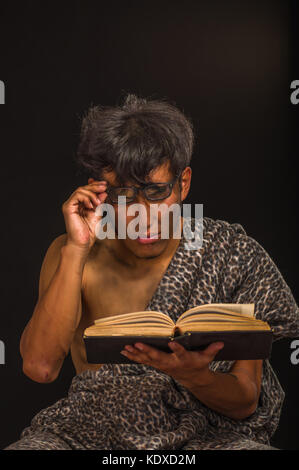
x=187, y=367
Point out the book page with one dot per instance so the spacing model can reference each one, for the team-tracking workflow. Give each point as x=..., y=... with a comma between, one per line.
x=145, y=315
x=142, y=330
x=133, y=321
x=224, y=326
x=246, y=310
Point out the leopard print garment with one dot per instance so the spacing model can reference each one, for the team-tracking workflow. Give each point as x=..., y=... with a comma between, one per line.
x=133, y=406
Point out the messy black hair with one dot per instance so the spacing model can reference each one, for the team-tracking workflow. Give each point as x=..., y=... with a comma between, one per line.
x=134, y=138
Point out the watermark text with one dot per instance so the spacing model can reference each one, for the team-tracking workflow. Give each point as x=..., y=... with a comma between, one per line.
x=295, y=354
x=160, y=217
x=295, y=94
x=2, y=92
x=2, y=353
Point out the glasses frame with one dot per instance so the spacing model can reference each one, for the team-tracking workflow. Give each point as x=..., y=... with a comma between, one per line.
x=143, y=189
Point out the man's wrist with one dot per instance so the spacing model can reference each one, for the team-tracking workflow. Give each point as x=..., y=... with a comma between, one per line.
x=74, y=254
x=204, y=378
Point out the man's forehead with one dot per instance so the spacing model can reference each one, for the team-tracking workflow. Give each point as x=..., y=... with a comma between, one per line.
x=112, y=179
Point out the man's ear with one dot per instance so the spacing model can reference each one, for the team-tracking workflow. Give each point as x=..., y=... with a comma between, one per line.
x=185, y=182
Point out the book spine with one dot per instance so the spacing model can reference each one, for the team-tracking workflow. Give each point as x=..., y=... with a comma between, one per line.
x=177, y=332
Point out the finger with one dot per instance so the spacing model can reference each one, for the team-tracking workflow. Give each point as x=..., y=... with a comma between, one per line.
x=94, y=199
x=135, y=355
x=98, y=182
x=153, y=353
x=77, y=201
x=96, y=186
x=178, y=349
x=96, y=189
x=211, y=351
x=97, y=193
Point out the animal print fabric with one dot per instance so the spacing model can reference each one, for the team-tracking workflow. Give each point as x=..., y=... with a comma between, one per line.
x=134, y=406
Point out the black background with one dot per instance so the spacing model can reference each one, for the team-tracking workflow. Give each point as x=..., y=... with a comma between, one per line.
x=227, y=65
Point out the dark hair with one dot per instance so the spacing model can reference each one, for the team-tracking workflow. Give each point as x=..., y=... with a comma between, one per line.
x=134, y=138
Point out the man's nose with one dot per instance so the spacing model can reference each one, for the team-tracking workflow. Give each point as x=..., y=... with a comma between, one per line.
x=141, y=199
x=147, y=217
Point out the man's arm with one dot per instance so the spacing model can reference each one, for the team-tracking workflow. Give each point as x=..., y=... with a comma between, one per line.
x=49, y=334
x=234, y=394
x=47, y=337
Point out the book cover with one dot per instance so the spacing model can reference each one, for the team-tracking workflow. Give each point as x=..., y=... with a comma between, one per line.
x=245, y=345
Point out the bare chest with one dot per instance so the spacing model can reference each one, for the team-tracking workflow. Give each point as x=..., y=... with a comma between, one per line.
x=107, y=292
x=111, y=290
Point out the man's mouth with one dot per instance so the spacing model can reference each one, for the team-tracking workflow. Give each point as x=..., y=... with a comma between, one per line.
x=148, y=239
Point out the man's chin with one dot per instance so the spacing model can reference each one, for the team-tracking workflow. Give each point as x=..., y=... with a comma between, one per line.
x=148, y=250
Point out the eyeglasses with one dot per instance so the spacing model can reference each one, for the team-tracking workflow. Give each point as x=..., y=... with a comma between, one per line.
x=151, y=191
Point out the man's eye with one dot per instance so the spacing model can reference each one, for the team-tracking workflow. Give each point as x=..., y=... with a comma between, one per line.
x=122, y=192
x=157, y=189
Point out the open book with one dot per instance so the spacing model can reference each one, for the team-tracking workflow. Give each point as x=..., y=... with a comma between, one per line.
x=244, y=336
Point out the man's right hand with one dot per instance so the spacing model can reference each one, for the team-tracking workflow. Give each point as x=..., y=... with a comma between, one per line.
x=79, y=212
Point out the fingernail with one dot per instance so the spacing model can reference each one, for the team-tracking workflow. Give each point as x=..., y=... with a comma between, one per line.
x=139, y=346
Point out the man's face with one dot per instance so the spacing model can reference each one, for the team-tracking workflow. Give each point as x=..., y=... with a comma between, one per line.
x=154, y=247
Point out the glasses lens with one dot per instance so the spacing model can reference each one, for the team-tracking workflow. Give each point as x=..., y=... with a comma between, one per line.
x=157, y=191
x=114, y=193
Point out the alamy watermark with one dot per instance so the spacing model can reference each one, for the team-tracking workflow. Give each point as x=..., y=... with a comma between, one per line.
x=124, y=230
x=295, y=94
x=2, y=353
x=2, y=92
x=295, y=354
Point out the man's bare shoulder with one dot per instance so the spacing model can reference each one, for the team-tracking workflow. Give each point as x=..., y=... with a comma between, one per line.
x=53, y=253
x=53, y=256
x=58, y=242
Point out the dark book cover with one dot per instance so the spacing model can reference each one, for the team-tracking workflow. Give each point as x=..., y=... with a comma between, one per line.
x=245, y=345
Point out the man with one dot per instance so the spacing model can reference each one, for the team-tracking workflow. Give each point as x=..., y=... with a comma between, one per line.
x=175, y=400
